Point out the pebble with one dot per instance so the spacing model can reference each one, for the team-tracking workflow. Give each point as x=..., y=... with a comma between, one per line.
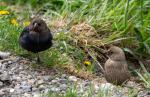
x=1, y=92
x=54, y=81
x=55, y=89
x=46, y=91
x=34, y=89
x=41, y=87
x=26, y=82
x=63, y=81
x=17, y=86
x=64, y=76
x=96, y=87
x=19, y=91
x=40, y=82
x=5, y=76
x=12, y=90
x=4, y=55
x=106, y=86
x=144, y=93
x=46, y=78
x=63, y=87
x=25, y=86
x=1, y=84
x=31, y=81
x=36, y=94
x=72, y=78
x=27, y=95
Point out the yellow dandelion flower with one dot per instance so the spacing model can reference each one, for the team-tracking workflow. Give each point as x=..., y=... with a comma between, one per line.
x=87, y=63
x=14, y=22
x=26, y=23
x=4, y=12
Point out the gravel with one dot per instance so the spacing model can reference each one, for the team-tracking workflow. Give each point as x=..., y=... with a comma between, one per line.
x=18, y=79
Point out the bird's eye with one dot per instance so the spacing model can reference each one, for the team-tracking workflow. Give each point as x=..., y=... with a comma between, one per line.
x=39, y=24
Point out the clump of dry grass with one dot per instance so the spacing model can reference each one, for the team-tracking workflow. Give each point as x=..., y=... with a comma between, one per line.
x=83, y=29
x=58, y=24
x=79, y=73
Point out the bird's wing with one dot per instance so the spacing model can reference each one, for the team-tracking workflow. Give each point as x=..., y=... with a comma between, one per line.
x=51, y=36
x=109, y=65
x=24, y=35
x=25, y=30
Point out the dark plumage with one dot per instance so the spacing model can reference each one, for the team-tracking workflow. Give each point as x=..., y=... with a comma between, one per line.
x=36, y=37
x=116, y=68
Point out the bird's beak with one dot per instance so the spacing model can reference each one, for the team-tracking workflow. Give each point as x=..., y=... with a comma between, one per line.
x=35, y=25
x=108, y=50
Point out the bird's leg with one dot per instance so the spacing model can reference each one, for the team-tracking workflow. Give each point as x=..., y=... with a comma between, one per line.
x=38, y=58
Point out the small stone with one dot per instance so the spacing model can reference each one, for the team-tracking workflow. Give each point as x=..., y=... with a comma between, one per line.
x=5, y=90
x=36, y=94
x=18, y=78
x=34, y=89
x=46, y=78
x=40, y=82
x=31, y=81
x=63, y=76
x=1, y=84
x=41, y=87
x=56, y=78
x=27, y=95
x=29, y=77
x=19, y=91
x=25, y=86
x=39, y=77
x=23, y=73
x=54, y=89
x=5, y=76
x=12, y=90
x=4, y=55
x=17, y=86
x=63, y=92
x=63, y=81
x=46, y=91
x=9, y=62
x=106, y=86
x=21, y=68
x=54, y=81
x=81, y=88
x=72, y=78
x=1, y=92
x=144, y=93
x=63, y=87
x=24, y=83
x=131, y=84
x=86, y=83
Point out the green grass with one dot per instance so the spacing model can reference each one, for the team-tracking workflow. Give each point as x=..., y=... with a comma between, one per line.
x=9, y=35
x=103, y=92
x=123, y=16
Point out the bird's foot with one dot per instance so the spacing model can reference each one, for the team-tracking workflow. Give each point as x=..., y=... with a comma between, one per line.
x=39, y=60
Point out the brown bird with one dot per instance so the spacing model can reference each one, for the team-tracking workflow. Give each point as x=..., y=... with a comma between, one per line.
x=116, y=68
x=36, y=37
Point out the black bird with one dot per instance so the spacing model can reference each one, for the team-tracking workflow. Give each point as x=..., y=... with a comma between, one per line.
x=36, y=37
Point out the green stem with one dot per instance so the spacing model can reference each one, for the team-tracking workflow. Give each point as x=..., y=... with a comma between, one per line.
x=126, y=14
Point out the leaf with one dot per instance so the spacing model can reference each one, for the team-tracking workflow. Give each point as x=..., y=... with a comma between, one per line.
x=147, y=47
x=138, y=35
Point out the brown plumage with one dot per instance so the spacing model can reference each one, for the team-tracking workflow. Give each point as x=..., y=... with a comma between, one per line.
x=116, y=68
